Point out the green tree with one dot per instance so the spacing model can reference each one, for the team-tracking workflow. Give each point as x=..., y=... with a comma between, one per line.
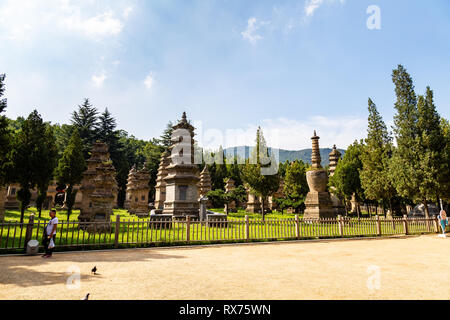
x=28, y=155
x=295, y=185
x=85, y=119
x=70, y=169
x=433, y=165
x=45, y=170
x=260, y=172
x=346, y=179
x=5, y=136
x=375, y=157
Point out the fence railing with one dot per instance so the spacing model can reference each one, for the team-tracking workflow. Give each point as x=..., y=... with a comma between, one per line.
x=128, y=233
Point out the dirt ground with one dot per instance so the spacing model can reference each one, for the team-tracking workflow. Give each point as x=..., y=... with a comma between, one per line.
x=401, y=268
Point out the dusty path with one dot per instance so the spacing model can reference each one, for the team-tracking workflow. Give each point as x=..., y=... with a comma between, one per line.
x=410, y=268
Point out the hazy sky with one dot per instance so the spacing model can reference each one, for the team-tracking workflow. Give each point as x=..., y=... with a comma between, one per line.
x=232, y=65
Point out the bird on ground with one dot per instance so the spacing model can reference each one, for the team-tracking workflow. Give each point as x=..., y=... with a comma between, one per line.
x=86, y=298
x=94, y=270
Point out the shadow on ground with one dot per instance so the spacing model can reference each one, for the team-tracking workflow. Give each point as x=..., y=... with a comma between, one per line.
x=20, y=270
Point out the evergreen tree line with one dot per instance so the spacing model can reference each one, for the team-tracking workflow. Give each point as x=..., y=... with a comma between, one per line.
x=414, y=169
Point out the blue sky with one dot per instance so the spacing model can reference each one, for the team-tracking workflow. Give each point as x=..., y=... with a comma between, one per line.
x=232, y=65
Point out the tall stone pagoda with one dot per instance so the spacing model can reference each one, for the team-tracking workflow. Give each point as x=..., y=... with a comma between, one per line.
x=131, y=181
x=160, y=189
x=230, y=186
x=137, y=192
x=318, y=202
x=334, y=157
x=99, y=188
x=182, y=174
x=205, y=184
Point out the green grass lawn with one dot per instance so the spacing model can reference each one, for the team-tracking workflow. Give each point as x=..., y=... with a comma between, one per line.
x=140, y=232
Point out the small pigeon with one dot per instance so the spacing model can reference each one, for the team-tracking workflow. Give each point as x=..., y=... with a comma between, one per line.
x=94, y=270
x=86, y=298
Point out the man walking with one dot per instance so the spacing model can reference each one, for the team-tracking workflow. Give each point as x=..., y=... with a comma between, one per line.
x=48, y=239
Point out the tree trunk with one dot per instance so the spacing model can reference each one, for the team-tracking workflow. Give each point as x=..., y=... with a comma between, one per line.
x=263, y=210
x=358, y=210
x=226, y=208
x=22, y=212
x=427, y=211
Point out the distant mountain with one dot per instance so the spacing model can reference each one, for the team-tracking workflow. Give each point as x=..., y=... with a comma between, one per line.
x=284, y=155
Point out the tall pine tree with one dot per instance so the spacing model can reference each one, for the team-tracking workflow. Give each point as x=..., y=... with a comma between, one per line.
x=70, y=169
x=262, y=182
x=375, y=157
x=85, y=119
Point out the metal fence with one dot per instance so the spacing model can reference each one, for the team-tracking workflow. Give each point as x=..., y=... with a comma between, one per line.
x=131, y=233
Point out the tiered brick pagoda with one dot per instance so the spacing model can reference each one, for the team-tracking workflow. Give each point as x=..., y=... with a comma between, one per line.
x=182, y=174
x=3, y=192
x=137, y=192
x=318, y=202
x=229, y=186
x=334, y=157
x=131, y=181
x=99, y=187
x=160, y=189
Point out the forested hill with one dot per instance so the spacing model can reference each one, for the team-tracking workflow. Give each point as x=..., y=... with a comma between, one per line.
x=284, y=155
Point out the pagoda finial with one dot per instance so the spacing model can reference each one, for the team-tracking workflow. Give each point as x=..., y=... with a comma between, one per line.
x=315, y=156
x=184, y=117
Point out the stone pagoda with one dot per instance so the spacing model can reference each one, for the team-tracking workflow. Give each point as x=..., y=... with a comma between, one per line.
x=205, y=186
x=253, y=202
x=334, y=157
x=318, y=202
x=137, y=192
x=229, y=186
x=131, y=181
x=99, y=188
x=160, y=189
x=182, y=174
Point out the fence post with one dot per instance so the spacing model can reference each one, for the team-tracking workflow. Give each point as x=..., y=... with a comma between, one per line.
x=188, y=229
x=405, y=224
x=117, y=231
x=377, y=218
x=29, y=230
x=435, y=222
x=341, y=226
x=297, y=227
x=247, y=229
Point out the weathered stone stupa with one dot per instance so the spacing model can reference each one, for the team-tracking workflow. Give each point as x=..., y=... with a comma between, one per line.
x=160, y=189
x=137, y=192
x=99, y=188
x=334, y=157
x=253, y=202
x=131, y=181
x=205, y=184
x=318, y=202
x=182, y=174
x=229, y=186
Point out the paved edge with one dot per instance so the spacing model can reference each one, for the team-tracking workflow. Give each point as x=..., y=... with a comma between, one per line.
x=216, y=245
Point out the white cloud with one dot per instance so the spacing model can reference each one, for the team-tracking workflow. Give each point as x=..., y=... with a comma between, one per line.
x=25, y=19
x=98, y=80
x=250, y=33
x=311, y=6
x=149, y=80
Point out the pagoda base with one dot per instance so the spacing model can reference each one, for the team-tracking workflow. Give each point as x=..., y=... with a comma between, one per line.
x=319, y=206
